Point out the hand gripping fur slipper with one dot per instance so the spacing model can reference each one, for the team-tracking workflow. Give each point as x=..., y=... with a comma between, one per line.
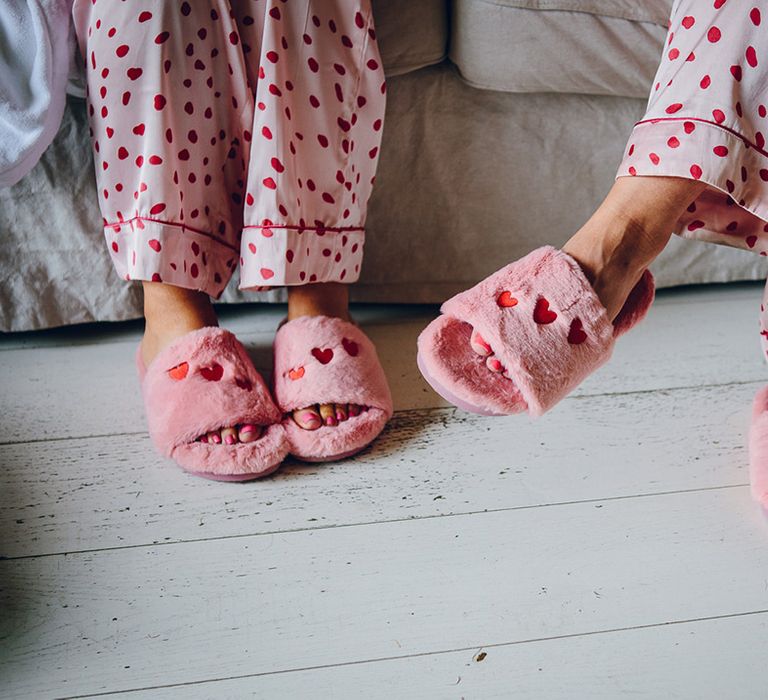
x=202, y=382
x=544, y=323
x=320, y=359
x=758, y=448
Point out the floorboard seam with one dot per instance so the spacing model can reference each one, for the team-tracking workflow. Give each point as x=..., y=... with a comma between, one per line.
x=372, y=523
x=438, y=652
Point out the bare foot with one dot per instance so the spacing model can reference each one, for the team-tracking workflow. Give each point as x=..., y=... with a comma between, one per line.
x=621, y=239
x=328, y=299
x=171, y=312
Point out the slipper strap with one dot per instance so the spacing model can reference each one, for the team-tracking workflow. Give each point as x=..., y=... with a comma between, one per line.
x=544, y=322
x=320, y=359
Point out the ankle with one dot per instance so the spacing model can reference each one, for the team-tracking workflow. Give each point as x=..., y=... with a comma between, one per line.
x=616, y=245
x=171, y=312
x=324, y=299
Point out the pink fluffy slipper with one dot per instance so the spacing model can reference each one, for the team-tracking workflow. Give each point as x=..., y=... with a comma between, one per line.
x=319, y=360
x=758, y=448
x=544, y=323
x=202, y=382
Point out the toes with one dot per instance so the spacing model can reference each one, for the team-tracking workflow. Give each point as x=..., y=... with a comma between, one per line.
x=229, y=436
x=214, y=437
x=478, y=344
x=354, y=410
x=249, y=432
x=341, y=412
x=494, y=365
x=328, y=413
x=307, y=418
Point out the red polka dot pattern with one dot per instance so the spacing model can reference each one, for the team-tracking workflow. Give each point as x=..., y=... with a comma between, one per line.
x=233, y=133
x=707, y=120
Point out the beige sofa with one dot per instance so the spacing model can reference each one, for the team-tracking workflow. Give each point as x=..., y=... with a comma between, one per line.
x=506, y=120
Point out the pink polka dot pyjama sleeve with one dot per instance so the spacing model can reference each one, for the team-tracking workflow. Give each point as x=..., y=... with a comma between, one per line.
x=707, y=119
x=233, y=133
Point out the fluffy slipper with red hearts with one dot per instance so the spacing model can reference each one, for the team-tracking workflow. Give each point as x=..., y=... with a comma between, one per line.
x=202, y=382
x=544, y=325
x=325, y=360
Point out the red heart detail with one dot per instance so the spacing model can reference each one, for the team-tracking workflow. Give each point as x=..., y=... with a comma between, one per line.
x=350, y=346
x=576, y=334
x=154, y=244
x=295, y=374
x=213, y=373
x=139, y=129
x=542, y=313
x=134, y=73
x=322, y=356
x=110, y=132
x=506, y=301
x=688, y=22
x=179, y=371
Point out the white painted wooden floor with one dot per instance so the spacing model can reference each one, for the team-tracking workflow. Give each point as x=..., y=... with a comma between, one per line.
x=608, y=550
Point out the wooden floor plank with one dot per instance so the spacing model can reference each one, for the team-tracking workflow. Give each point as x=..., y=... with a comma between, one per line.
x=72, y=495
x=134, y=618
x=702, y=660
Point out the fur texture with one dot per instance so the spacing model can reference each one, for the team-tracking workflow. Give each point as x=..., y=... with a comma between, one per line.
x=545, y=324
x=202, y=382
x=327, y=360
x=758, y=448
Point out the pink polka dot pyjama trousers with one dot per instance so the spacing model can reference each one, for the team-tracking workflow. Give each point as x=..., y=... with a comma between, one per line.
x=707, y=119
x=231, y=132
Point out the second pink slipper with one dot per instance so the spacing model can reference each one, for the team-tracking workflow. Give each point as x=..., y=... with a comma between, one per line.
x=544, y=324
x=201, y=383
x=319, y=360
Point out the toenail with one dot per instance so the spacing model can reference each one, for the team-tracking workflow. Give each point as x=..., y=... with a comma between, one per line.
x=230, y=440
x=330, y=420
x=478, y=340
x=311, y=419
x=494, y=365
x=216, y=439
x=249, y=428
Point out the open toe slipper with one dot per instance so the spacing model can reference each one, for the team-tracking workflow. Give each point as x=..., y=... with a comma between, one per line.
x=201, y=383
x=321, y=360
x=544, y=324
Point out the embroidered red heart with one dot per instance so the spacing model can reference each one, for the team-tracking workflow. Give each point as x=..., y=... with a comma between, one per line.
x=322, y=356
x=506, y=301
x=576, y=334
x=542, y=313
x=295, y=374
x=179, y=371
x=350, y=346
x=213, y=373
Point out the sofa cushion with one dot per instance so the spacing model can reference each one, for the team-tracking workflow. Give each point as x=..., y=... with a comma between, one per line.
x=411, y=34
x=598, y=47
